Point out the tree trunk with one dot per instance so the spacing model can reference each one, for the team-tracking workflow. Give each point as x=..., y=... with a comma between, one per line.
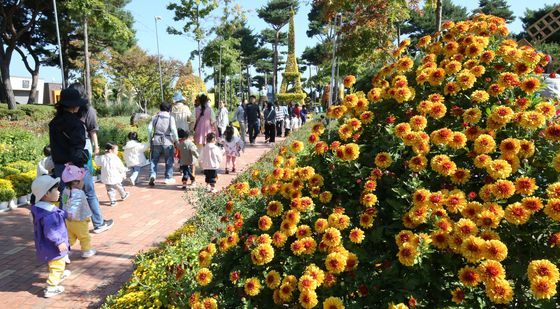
x=5, y=70
x=439, y=12
x=86, y=55
x=33, y=71
x=199, y=61
x=248, y=84
x=275, y=73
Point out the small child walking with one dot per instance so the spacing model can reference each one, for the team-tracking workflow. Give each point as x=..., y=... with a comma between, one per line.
x=112, y=172
x=46, y=165
x=50, y=233
x=134, y=156
x=188, y=154
x=74, y=202
x=210, y=158
x=287, y=125
x=232, y=146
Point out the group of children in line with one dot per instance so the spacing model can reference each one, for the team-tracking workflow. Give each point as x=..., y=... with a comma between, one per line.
x=56, y=229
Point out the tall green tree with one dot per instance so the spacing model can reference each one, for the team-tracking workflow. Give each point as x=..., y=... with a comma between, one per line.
x=193, y=12
x=276, y=13
x=249, y=51
x=422, y=24
x=110, y=26
x=18, y=20
x=135, y=70
x=498, y=8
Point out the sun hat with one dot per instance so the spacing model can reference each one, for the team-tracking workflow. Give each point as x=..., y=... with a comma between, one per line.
x=72, y=172
x=42, y=184
x=71, y=97
x=178, y=97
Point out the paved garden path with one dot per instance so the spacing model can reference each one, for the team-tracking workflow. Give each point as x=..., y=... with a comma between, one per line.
x=142, y=221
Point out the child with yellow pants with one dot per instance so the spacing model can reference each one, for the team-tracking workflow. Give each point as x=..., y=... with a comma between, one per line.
x=74, y=201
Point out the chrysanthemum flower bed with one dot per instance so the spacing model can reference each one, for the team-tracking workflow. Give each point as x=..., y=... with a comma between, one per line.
x=437, y=189
x=164, y=277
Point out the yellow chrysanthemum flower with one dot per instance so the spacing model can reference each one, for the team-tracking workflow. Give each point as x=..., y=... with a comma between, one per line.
x=335, y=262
x=495, y=250
x=407, y=254
x=499, y=169
x=204, y=276
x=543, y=269
x=383, y=160
x=543, y=288
x=503, y=189
x=472, y=115
x=356, y=235
x=530, y=85
x=469, y=276
x=333, y=303
x=532, y=120
x=484, y=144
x=491, y=271
x=308, y=299
x=499, y=292
x=517, y=214
x=252, y=286
x=331, y=237
x=273, y=279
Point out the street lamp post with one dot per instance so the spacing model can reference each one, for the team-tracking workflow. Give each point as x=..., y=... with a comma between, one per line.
x=220, y=76
x=337, y=19
x=59, y=45
x=156, y=18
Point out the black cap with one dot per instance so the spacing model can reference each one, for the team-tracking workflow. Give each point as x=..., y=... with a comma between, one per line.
x=70, y=97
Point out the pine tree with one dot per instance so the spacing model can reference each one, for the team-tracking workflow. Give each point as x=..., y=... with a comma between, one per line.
x=498, y=8
x=291, y=74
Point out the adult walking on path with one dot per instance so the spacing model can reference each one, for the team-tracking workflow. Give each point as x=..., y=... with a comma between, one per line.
x=67, y=135
x=223, y=119
x=181, y=112
x=163, y=133
x=269, y=123
x=239, y=116
x=205, y=120
x=252, y=117
x=145, y=218
x=279, y=110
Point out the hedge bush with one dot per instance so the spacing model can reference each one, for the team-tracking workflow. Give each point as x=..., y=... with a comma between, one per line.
x=7, y=192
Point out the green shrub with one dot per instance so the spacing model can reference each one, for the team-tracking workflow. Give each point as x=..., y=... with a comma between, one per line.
x=6, y=191
x=6, y=171
x=10, y=114
x=116, y=129
x=19, y=144
x=23, y=166
x=35, y=112
x=22, y=182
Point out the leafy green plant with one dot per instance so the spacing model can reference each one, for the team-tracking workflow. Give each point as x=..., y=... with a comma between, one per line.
x=7, y=192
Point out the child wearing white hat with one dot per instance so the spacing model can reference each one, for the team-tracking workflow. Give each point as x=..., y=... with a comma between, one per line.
x=74, y=202
x=50, y=233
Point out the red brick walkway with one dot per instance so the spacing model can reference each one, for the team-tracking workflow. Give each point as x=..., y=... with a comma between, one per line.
x=141, y=221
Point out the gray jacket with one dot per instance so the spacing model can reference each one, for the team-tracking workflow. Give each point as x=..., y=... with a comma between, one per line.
x=163, y=130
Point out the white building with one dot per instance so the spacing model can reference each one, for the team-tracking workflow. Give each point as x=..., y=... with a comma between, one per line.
x=22, y=89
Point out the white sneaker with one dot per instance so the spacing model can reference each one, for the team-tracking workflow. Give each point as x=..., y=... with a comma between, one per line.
x=214, y=190
x=65, y=274
x=53, y=291
x=126, y=195
x=67, y=259
x=169, y=181
x=88, y=253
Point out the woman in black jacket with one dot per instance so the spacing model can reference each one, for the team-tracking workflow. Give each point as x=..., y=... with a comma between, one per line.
x=270, y=123
x=67, y=135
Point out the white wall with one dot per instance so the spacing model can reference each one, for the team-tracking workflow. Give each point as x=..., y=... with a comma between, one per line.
x=22, y=89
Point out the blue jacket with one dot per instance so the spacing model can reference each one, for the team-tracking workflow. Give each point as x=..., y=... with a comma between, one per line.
x=49, y=231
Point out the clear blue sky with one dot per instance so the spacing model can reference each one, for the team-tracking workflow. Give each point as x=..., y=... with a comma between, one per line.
x=180, y=47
